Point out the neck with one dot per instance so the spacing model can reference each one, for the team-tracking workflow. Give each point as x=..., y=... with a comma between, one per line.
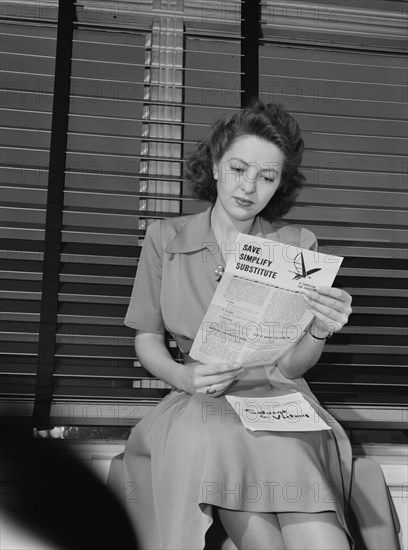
x=226, y=228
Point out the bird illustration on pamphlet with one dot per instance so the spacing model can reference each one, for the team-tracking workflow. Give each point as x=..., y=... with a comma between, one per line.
x=301, y=271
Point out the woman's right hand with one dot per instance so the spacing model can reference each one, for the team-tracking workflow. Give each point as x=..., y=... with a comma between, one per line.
x=200, y=377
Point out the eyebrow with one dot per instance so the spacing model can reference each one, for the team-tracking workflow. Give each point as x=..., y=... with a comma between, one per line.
x=271, y=169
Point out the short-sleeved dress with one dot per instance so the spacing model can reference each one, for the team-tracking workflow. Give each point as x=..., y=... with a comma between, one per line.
x=192, y=452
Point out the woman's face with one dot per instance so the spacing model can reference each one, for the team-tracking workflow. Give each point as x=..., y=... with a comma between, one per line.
x=248, y=176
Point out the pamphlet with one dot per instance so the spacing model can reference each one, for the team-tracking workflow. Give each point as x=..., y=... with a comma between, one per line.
x=258, y=310
x=284, y=413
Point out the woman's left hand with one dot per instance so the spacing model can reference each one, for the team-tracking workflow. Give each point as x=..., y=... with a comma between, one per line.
x=331, y=308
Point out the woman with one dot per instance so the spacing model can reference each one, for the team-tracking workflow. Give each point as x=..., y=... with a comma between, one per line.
x=271, y=490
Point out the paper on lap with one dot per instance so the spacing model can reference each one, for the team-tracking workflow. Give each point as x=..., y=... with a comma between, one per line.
x=284, y=413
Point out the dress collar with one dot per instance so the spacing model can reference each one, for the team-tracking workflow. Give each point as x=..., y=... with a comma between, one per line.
x=197, y=234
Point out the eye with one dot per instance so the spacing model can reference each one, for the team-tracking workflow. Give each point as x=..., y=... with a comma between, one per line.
x=269, y=180
x=237, y=168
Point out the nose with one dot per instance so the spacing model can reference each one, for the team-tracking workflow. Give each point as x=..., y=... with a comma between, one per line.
x=249, y=180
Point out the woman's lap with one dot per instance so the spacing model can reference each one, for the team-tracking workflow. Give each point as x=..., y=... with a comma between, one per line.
x=192, y=453
x=203, y=438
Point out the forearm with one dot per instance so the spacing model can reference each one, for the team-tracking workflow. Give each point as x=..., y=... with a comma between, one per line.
x=152, y=352
x=331, y=308
x=302, y=357
x=194, y=377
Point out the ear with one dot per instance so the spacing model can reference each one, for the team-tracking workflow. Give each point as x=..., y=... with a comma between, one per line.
x=215, y=171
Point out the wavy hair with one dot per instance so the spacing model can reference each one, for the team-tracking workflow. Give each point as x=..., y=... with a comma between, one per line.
x=266, y=121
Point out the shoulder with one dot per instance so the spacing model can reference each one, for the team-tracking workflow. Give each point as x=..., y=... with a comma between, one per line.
x=177, y=230
x=167, y=225
x=172, y=226
x=290, y=234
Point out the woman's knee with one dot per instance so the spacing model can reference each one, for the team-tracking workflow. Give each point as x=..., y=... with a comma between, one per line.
x=317, y=531
x=251, y=530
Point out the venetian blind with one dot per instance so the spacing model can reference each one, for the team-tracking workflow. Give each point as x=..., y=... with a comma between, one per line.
x=139, y=73
x=348, y=97
x=101, y=203
x=181, y=87
x=27, y=80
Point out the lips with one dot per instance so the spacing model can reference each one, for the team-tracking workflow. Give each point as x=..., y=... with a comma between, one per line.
x=243, y=202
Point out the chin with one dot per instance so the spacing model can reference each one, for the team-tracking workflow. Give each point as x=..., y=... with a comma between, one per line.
x=242, y=217
x=245, y=213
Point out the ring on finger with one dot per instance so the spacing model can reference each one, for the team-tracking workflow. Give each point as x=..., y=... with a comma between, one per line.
x=211, y=390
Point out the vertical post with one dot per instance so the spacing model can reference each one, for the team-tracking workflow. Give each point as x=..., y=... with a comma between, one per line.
x=250, y=34
x=53, y=222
